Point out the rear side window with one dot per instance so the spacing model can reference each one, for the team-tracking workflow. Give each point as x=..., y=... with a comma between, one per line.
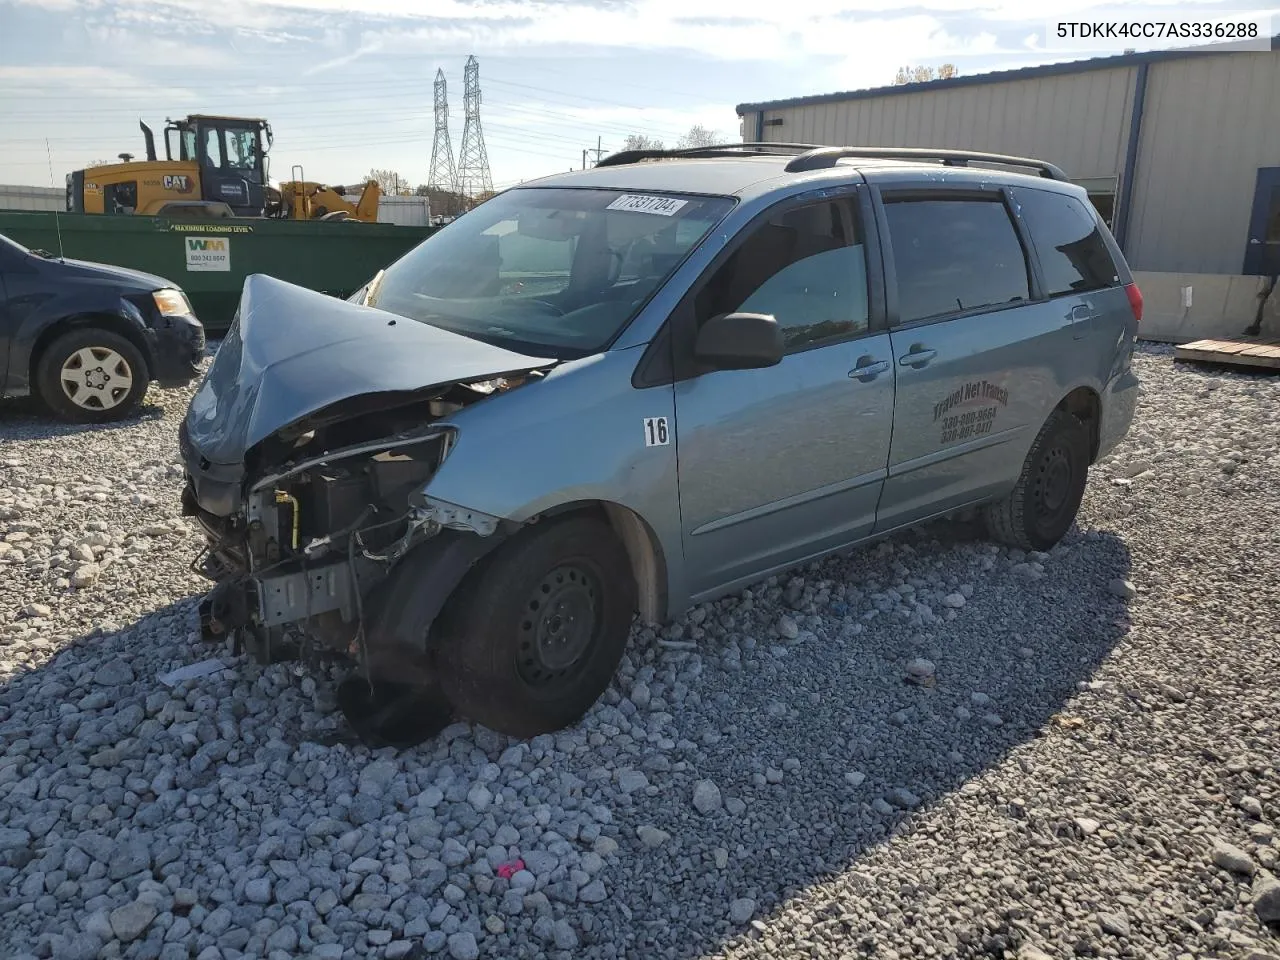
x=954, y=255
x=1073, y=255
x=804, y=269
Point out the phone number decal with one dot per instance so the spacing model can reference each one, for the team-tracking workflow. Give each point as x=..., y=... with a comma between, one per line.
x=972, y=423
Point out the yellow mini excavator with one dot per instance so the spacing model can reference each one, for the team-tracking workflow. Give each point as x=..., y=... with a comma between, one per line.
x=213, y=167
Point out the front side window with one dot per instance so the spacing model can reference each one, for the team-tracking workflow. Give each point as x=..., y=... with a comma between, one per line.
x=806, y=268
x=188, y=145
x=242, y=149
x=212, y=147
x=1073, y=255
x=954, y=255
x=548, y=270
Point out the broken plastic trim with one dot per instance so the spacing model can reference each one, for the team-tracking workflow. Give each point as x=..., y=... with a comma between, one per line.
x=387, y=443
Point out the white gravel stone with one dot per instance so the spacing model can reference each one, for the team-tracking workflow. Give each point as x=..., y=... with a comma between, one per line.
x=629, y=781
x=741, y=910
x=130, y=921
x=463, y=946
x=1232, y=858
x=86, y=575
x=706, y=797
x=652, y=836
x=1122, y=588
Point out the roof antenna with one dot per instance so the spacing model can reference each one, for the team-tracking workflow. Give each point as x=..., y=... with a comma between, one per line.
x=57, y=222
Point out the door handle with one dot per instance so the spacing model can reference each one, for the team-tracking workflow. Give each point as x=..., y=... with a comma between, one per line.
x=917, y=356
x=868, y=368
x=1081, y=311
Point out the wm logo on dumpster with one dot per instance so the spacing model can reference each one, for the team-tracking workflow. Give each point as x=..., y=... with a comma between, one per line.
x=208, y=254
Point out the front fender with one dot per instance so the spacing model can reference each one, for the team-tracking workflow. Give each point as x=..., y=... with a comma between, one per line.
x=38, y=316
x=580, y=434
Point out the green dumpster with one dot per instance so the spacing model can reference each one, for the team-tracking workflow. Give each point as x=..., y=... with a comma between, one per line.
x=209, y=259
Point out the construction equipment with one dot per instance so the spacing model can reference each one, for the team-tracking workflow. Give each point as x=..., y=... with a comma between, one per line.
x=302, y=199
x=214, y=167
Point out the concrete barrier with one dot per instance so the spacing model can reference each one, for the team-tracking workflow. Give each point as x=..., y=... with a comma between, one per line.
x=1181, y=307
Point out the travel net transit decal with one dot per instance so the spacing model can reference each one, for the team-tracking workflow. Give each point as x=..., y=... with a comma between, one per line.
x=970, y=410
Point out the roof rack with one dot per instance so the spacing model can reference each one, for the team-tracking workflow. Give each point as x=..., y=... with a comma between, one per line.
x=714, y=150
x=821, y=158
x=813, y=156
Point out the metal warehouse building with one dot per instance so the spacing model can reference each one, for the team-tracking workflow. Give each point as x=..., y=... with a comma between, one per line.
x=1179, y=150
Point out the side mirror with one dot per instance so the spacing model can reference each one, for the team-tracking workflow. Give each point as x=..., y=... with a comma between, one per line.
x=739, y=341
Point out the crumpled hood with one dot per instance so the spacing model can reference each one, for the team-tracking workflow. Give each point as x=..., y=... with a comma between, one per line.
x=292, y=352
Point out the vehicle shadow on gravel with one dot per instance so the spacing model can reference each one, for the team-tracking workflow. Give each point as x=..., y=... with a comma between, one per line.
x=31, y=416
x=833, y=750
x=819, y=749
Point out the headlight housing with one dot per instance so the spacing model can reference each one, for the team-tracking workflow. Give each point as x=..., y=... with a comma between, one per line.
x=172, y=303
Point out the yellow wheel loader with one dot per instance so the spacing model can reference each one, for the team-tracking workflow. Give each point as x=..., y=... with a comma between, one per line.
x=213, y=167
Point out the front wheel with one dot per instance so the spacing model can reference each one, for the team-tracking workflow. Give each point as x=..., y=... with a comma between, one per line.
x=535, y=633
x=91, y=375
x=1043, y=504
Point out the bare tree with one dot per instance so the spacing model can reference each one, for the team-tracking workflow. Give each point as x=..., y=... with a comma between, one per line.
x=390, y=182
x=924, y=74
x=639, y=141
x=698, y=136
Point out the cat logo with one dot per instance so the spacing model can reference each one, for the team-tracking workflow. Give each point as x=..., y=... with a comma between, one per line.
x=177, y=181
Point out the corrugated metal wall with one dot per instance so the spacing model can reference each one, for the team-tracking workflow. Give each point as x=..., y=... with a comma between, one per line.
x=1210, y=122
x=1078, y=121
x=16, y=197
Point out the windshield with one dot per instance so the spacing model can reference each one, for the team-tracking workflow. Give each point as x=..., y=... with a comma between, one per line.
x=546, y=269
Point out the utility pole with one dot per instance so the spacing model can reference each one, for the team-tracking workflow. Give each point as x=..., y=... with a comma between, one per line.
x=597, y=151
x=584, y=158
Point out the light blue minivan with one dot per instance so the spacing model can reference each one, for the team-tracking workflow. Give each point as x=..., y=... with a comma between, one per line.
x=643, y=386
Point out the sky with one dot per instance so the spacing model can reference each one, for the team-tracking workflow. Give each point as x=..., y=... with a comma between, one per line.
x=347, y=84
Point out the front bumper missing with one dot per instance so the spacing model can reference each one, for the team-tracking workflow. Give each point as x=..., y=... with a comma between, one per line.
x=297, y=597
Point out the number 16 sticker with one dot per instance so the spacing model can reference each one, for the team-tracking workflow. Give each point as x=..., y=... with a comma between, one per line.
x=655, y=432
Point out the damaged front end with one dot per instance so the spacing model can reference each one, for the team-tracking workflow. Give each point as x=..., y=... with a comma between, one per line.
x=308, y=458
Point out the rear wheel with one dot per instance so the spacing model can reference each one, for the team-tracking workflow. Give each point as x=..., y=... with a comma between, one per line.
x=1043, y=504
x=535, y=633
x=91, y=375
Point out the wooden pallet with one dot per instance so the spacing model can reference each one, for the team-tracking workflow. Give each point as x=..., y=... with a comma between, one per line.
x=1251, y=353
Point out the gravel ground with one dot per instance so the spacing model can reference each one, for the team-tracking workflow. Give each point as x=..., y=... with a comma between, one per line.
x=930, y=748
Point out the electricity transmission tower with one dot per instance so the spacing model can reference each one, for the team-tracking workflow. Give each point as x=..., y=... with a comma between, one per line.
x=444, y=176
x=474, y=177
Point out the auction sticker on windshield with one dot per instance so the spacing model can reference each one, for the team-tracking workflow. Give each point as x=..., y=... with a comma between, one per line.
x=640, y=203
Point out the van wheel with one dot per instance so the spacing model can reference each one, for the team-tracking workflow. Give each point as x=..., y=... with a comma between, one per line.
x=91, y=375
x=1044, y=503
x=536, y=631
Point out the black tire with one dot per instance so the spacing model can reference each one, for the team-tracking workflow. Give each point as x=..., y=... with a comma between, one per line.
x=1043, y=504
x=111, y=349
x=534, y=634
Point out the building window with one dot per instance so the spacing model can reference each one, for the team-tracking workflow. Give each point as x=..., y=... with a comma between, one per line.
x=1102, y=194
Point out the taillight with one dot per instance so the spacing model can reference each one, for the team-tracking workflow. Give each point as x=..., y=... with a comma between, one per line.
x=1135, y=300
